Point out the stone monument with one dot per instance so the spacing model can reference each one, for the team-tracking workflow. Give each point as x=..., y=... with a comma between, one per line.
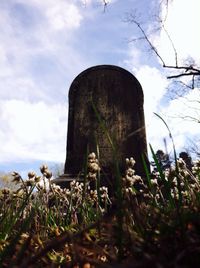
x=104, y=101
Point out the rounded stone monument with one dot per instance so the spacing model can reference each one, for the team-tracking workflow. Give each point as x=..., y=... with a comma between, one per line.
x=104, y=101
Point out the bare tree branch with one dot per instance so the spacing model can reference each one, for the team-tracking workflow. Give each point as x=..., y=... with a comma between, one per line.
x=172, y=43
x=166, y=5
x=133, y=20
x=194, y=146
x=183, y=74
x=188, y=69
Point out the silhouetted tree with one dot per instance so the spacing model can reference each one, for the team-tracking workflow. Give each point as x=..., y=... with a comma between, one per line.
x=163, y=159
x=187, y=159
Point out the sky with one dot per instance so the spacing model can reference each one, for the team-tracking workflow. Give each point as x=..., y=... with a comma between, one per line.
x=45, y=44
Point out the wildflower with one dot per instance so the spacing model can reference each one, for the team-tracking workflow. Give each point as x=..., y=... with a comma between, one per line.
x=67, y=192
x=93, y=195
x=196, y=169
x=47, y=174
x=24, y=237
x=92, y=156
x=147, y=196
x=129, y=180
x=185, y=193
x=104, y=193
x=68, y=258
x=5, y=191
x=43, y=169
x=157, y=196
x=175, y=183
x=40, y=187
x=56, y=187
x=129, y=190
x=130, y=172
x=17, y=178
x=31, y=175
x=93, y=163
x=132, y=162
x=138, y=178
x=154, y=182
x=3, y=244
x=186, y=173
x=93, y=167
x=72, y=183
x=167, y=173
x=37, y=178
x=181, y=163
x=78, y=187
x=156, y=174
x=91, y=176
x=103, y=258
x=30, y=182
x=166, y=178
x=18, y=193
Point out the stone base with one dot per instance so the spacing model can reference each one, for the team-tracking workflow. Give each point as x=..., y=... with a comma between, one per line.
x=65, y=179
x=105, y=180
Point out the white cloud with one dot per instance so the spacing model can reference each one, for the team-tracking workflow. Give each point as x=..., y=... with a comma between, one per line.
x=182, y=25
x=37, y=63
x=59, y=14
x=36, y=49
x=32, y=131
x=63, y=15
x=184, y=112
x=134, y=58
x=178, y=115
x=154, y=85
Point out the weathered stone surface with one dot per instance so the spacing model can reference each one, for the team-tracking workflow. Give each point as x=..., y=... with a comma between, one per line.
x=118, y=99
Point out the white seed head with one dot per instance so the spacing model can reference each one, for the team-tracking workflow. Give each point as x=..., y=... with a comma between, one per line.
x=31, y=175
x=43, y=168
x=154, y=182
x=92, y=156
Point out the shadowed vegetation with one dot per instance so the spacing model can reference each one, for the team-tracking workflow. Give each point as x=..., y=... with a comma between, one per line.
x=42, y=225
